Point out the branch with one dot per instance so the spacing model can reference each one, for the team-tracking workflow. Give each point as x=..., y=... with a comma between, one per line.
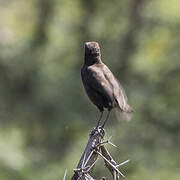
x=94, y=148
x=89, y=156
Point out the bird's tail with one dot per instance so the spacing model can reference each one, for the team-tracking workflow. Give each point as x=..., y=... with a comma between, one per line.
x=124, y=111
x=127, y=109
x=125, y=114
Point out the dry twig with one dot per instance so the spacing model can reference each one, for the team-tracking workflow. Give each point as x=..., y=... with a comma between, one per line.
x=94, y=148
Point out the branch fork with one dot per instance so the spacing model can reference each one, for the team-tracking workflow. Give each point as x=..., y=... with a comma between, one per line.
x=95, y=148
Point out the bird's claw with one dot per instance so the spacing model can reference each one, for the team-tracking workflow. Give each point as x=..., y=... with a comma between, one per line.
x=98, y=130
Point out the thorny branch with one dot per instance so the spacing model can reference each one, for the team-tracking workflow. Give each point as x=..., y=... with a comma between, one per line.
x=94, y=148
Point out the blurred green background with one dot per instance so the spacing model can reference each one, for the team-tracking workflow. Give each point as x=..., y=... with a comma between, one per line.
x=45, y=115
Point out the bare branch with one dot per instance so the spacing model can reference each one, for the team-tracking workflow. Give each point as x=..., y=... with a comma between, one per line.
x=65, y=174
x=89, y=155
x=121, y=164
x=112, y=165
x=94, y=148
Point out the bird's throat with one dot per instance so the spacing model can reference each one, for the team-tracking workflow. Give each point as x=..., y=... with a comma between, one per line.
x=90, y=60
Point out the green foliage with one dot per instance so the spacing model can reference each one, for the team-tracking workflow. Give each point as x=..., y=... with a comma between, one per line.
x=45, y=114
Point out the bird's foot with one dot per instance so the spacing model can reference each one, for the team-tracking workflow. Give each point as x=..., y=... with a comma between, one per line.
x=98, y=130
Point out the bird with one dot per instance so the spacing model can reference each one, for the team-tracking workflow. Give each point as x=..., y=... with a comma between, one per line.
x=101, y=86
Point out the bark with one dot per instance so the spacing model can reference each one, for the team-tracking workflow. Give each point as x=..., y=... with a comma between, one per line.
x=95, y=148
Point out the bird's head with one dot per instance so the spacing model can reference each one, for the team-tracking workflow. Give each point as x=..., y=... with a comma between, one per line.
x=92, y=49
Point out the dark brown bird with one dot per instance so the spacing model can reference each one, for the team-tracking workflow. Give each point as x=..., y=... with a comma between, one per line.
x=100, y=84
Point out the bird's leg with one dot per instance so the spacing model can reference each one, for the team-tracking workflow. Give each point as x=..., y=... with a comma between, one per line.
x=99, y=119
x=107, y=117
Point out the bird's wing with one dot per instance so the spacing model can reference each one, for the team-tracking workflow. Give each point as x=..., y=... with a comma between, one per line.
x=97, y=81
x=118, y=91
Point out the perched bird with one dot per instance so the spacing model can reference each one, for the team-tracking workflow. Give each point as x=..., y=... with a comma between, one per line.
x=100, y=84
